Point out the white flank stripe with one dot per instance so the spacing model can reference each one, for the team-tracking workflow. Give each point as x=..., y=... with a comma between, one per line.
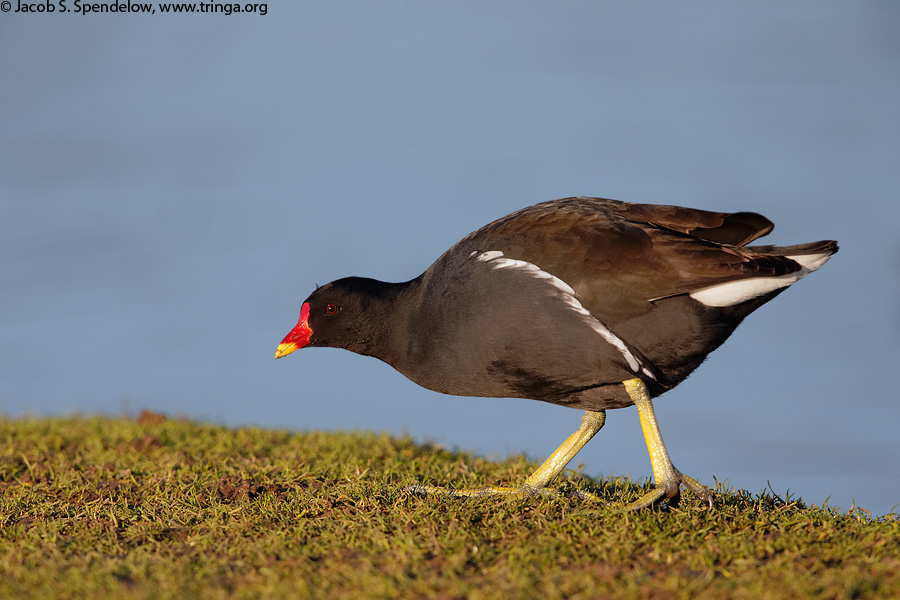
x=735, y=292
x=496, y=259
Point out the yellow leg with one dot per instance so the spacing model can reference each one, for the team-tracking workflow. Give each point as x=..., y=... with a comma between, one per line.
x=536, y=484
x=668, y=478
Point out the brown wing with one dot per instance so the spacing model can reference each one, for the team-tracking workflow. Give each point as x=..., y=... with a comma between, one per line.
x=734, y=229
x=620, y=257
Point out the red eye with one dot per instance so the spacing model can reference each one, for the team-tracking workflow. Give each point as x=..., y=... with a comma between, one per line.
x=330, y=309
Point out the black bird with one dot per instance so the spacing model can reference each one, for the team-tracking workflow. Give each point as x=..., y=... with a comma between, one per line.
x=583, y=302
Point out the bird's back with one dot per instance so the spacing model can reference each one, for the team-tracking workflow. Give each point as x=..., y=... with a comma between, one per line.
x=563, y=300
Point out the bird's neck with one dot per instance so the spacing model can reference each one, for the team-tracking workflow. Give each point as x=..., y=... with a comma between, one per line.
x=390, y=310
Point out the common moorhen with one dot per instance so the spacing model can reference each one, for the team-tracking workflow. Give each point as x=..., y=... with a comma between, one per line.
x=584, y=302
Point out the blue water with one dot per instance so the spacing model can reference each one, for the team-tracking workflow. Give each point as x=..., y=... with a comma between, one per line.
x=173, y=186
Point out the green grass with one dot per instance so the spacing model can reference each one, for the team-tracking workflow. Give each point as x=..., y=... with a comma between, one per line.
x=117, y=508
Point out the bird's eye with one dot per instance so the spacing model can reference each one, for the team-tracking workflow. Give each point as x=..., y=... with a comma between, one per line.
x=330, y=309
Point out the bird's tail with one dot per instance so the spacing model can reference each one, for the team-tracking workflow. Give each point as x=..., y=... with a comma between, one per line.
x=811, y=256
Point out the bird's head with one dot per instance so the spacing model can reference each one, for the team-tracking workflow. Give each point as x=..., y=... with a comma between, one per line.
x=335, y=316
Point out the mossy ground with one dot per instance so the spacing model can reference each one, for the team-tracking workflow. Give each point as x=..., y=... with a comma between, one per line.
x=149, y=508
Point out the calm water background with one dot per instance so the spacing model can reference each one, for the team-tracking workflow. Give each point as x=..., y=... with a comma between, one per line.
x=172, y=187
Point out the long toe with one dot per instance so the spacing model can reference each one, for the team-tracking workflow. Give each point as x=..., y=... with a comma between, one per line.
x=525, y=491
x=670, y=491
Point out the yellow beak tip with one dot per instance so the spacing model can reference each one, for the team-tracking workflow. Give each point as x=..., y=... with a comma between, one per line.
x=285, y=349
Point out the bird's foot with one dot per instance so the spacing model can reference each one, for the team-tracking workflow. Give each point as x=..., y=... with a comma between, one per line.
x=670, y=490
x=668, y=479
x=536, y=485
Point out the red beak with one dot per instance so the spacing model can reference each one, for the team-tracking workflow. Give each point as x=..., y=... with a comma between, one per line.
x=299, y=335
